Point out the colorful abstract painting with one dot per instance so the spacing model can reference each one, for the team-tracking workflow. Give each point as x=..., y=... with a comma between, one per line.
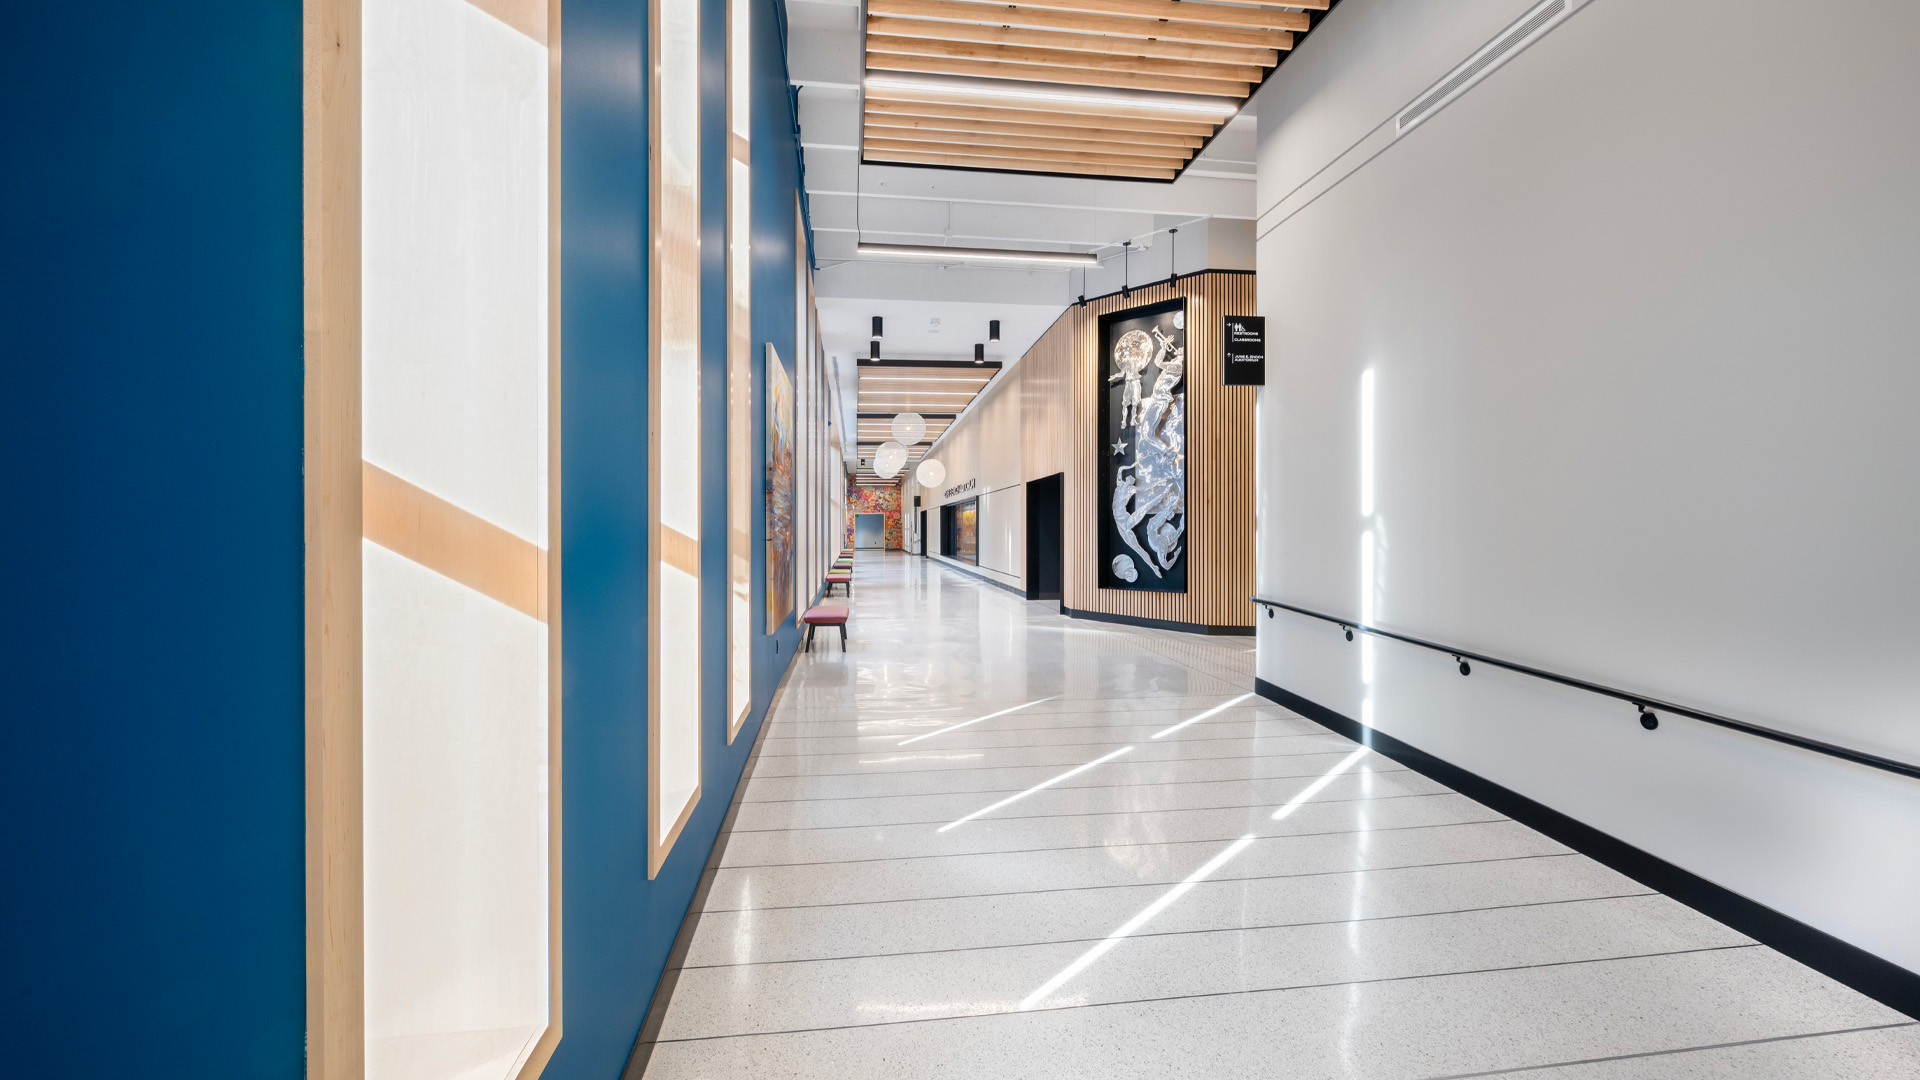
x=875, y=499
x=779, y=492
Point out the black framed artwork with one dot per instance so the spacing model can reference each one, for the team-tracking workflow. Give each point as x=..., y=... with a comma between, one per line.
x=1142, y=493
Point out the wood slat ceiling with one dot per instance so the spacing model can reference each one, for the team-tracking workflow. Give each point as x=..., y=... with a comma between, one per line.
x=1198, y=48
x=938, y=391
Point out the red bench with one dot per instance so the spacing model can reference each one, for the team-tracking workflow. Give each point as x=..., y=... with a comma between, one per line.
x=840, y=578
x=826, y=616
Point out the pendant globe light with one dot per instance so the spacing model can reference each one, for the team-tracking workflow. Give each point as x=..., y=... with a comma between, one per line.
x=909, y=428
x=930, y=473
x=889, y=459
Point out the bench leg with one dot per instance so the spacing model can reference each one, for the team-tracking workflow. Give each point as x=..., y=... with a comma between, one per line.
x=843, y=637
x=810, y=629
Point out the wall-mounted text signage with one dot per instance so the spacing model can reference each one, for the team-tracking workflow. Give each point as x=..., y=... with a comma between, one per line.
x=1244, y=345
x=958, y=488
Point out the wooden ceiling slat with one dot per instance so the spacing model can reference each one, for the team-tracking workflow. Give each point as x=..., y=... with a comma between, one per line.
x=1019, y=165
x=1082, y=22
x=1105, y=44
x=1025, y=153
x=1156, y=154
x=903, y=124
x=1039, y=115
x=1191, y=11
x=996, y=69
x=1115, y=60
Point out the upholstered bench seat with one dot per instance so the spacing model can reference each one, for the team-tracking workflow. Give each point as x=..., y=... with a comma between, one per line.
x=826, y=615
x=840, y=578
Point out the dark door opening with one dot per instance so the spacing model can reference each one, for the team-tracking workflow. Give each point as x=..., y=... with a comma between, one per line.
x=920, y=535
x=1046, y=546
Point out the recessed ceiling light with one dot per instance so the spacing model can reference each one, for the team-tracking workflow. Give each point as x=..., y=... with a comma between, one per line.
x=960, y=254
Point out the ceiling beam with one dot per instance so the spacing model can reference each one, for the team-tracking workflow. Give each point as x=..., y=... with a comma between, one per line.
x=900, y=126
x=1058, y=157
x=993, y=69
x=1104, y=44
x=1188, y=11
x=1039, y=115
x=1015, y=165
x=912, y=140
x=1116, y=58
x=1082, y=22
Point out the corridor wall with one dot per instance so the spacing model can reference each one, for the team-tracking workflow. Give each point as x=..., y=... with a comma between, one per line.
x=1603, y=369
x=150, y=796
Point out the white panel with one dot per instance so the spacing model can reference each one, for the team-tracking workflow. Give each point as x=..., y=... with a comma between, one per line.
x=679, y=696
x=454, y=248
x=1002, y=527
x=1642, y=389
x=455, y=804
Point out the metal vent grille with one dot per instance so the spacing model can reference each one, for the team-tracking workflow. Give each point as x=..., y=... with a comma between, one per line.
x=1482, y=62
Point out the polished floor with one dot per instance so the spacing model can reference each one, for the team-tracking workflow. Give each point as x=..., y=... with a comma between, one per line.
x=990, y=841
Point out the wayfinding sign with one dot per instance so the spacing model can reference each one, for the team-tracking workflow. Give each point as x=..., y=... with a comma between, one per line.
x=1245, y=349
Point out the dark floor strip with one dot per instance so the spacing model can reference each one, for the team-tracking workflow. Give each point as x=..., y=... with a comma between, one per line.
x=1143, y=935
x=1114, y=847
x=1152, y=884
x=1104, y=813
x=1672, y=1053
x=1224, y=993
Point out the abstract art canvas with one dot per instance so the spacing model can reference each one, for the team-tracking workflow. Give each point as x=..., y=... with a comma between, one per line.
x=779, y=492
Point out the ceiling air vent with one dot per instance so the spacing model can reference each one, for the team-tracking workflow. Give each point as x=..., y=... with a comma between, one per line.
x=1492, y=55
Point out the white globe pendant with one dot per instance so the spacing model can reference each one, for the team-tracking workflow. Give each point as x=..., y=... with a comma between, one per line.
x=889, y=460
x=909, y=427
x=930, y=473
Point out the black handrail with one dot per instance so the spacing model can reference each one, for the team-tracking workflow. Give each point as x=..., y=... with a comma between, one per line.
x=1649, y=706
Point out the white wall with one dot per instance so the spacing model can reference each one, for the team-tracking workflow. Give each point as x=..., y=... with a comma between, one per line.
x=1637, y=312
x=984, y=446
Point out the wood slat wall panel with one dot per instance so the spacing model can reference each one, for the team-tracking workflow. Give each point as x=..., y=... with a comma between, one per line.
x=1219, y=459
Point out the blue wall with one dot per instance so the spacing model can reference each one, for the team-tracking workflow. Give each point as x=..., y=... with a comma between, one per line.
x=150, y=320
x=619, y=926
x=151, y=222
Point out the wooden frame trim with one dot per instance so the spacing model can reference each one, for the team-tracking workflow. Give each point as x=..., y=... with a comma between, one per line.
x=336, y=492
x=660, y=841
x=739, y=402
x=330, y=212
x=419, y=526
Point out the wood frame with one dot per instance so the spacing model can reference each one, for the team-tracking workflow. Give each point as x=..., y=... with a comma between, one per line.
x=335, y=494
x=739, y=283
x=667, y=545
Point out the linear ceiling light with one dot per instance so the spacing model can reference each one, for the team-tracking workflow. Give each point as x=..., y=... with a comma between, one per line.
x=1221, y=109
x=960, y=254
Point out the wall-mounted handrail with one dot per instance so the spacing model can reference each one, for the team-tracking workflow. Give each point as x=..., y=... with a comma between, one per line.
x=1648, y=705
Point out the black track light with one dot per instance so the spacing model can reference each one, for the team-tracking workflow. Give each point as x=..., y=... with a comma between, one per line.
x=1465, y=668
x=1648, y=718
x=979, y=352
x=993, y=329
x=873, y=349
x=876, y=328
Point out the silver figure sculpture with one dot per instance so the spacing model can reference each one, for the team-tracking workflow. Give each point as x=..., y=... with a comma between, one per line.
x=1152, y=488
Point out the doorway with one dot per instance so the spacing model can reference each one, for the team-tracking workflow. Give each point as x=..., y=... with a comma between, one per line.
x=920, y=536
x=869, y=530
x=1045, y=541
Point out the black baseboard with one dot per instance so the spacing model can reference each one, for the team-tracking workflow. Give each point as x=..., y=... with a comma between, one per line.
x=1881, y=980
x=1158, y=624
